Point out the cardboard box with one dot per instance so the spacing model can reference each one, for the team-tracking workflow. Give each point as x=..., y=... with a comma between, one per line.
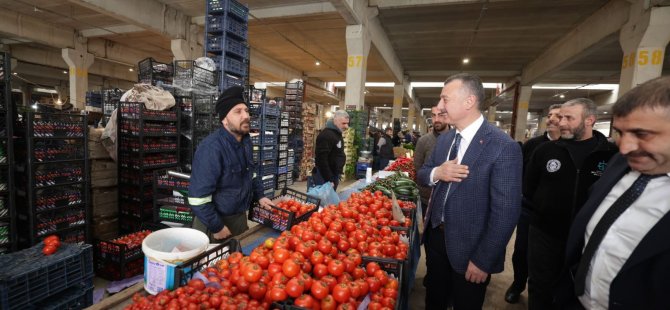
x=103, y=173
x=97, y=151
x=105, y=202
x=105, y=228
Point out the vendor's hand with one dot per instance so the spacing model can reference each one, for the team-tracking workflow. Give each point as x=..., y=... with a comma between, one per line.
x=223, y=234
x=451, y=171
x=265, y=202
x=474, y=274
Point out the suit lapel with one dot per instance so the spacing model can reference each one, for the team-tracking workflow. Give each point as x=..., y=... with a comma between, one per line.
x=475, y=148
x=651, y=244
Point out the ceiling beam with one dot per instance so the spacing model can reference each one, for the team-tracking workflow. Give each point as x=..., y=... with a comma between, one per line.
x=270, y=67
x=111, y=30
x=356, y=12
x=13, y=24
x=397, y=4
x=584, y=38
x=151, y=15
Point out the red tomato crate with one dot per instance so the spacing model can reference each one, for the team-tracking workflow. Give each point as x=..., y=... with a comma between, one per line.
x=281, y=219
x=116, y=261
x=28, y=277
x=185, y=271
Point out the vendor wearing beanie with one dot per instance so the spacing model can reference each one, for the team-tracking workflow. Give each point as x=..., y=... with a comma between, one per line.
x=222, y=178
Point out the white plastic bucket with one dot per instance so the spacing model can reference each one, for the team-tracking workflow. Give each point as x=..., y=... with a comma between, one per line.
x=160, y=260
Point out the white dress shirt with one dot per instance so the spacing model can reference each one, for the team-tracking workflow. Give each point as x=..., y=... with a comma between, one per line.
x=623, y=236
x=467, y=135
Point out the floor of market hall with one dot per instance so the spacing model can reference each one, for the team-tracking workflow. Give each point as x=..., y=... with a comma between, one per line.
x=495, y=293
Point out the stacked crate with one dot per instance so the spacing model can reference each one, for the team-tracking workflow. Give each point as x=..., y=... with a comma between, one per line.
x=293, y=105
x=264, y=129
x=104, y=192
x=52, y=177
x=171, y=198
x=309, y=138
x=155, y=73
x=7, y=210
x=195, y=88
x=226, y=41
x=284, y=174
x=147, y=140
x=110, y=101
x=94, y=101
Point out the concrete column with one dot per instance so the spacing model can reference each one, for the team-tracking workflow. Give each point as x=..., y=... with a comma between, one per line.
x=411, y=113
x=342, y=106
x=358, y=48
x=491, y=114
x=26, y=93
x=643, y=40
x=79, y=61
x=188, y=49
x=398, y=96
x=522, y=113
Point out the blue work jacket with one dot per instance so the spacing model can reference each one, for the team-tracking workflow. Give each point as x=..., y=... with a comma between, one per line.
x=222, y=178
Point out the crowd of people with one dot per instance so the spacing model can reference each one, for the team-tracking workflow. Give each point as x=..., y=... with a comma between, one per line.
x=591, y=216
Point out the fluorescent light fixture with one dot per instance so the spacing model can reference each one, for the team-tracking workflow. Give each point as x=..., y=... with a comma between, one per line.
x=441, y=84
x=367, y=84
x=577, y=86
x=45, y=90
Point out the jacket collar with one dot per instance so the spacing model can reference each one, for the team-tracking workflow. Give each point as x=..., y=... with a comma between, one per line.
x=226, y=135
x=603, y=144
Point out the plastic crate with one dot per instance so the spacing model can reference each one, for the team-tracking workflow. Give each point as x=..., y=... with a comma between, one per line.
x=77, y=297
x=234, y=66
x=236, y=28
x=269, y=193
x=283, y=131
x=137, y=110
x=255, y=109
x=283, y=139
x=176, y=214
x=281, y=219
x=228, y=81
x=267, y=168
x=188, y=76
x=281, y=185
x=282, y=169
x=282, y=177
x=185, y=271
x=232, y=7
x=116, y=261
x=282, y=162
x=268, y=139
x=271, y=110
x=283, y=147
x=270, y=124
x=284, y=123
x=236, y=48
x=28, y=276
x=268, y=155
x=282, y=155
x=294, y=85
x=255, y=124
x=268, y=181
x=165, y=180
x=154, y=72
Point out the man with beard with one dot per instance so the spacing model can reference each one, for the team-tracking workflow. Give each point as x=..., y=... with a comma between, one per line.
x=520, y=256
x=556, y=182
x=329, y=154
x=618, y=252
x=424, y=147
x=222, y=179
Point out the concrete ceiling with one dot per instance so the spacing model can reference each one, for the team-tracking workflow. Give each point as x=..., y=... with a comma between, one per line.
x=504, y=39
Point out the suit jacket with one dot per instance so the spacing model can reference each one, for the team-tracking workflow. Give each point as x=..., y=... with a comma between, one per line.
x=483, y=209
x=644, y=280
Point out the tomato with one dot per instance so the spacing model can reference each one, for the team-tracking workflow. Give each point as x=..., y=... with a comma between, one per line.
x=382, y=276
x=331, y=281
x=325, y=246
x=304, y=301
x=257, y=290
x=374, y=284
x=319, y=289
x=328, y=303
x=336, y=267
x=235, y=257
x=295, y=287
x=215, y=301
x=316, y=257
x=274, y=268
x=49, y=249
x=197, y=284
x=278, y=293
x=355, y=289
x=343, y=245
x=280, y=255
x=341, y=293
x=388, y=302
x=269, y=243
x=290, y=268
x=320, y=270
x=371, y=267
x=304, y=249
x=252, y=273
x=306, y=279
x=389, y=292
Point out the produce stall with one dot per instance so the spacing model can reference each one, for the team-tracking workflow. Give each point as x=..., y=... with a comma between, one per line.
x=338, y=249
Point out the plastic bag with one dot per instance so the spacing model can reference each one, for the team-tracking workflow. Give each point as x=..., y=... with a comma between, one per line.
x=326, y=193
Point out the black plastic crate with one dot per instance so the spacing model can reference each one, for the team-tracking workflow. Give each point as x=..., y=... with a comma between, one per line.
x=268, y=181
x=282, y=169
x=228, y=81
x=77, y=297
x=137, y=110
x=270, y=109
x=231, y=66
x=185, y=271
x=268, y=155
x=281, y=219
x=267, y=168
x=282, y=155
x=232, y=7
x=28, y=276
x=281, y=185
x=236, y=28
x=270, y=124
x=267, y=139
x=236, y=48
x=154, y=72
x=187, y=75
x=283, y=139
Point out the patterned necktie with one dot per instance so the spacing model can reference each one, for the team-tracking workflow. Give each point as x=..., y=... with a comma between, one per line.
x=443, y=190
x=610, y=216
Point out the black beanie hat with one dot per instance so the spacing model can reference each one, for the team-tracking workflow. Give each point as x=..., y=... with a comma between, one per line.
x=229, y=99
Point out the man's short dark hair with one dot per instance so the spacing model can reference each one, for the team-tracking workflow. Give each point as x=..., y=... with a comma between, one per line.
x=473, y=83
x=555, y=106
x=651, y=94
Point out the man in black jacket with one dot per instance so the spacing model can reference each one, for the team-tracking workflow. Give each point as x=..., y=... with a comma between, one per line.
x=520, y=256
x=385, y=148
x=329, y=150
x=556, y=182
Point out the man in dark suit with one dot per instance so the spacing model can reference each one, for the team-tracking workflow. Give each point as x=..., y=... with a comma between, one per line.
x=617, y=259
x=476, y=173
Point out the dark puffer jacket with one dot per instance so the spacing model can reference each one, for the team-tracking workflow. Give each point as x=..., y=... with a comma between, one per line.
x=329, y=153
x=556, y=188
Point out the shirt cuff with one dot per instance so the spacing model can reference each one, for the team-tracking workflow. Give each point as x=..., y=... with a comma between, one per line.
x=432, y=181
